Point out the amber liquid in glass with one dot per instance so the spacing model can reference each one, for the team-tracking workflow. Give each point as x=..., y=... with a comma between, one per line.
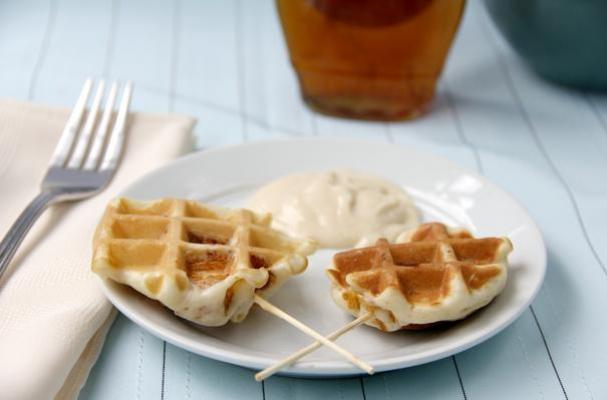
x=373, y=59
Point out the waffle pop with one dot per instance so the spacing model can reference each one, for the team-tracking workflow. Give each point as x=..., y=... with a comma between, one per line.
x=439, y=274
x=204, y=263
x=207, y=264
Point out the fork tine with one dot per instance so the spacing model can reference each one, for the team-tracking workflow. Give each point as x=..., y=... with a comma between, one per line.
x=116, y=141
x=96, y=149
x=70, y=131
x=85, y=135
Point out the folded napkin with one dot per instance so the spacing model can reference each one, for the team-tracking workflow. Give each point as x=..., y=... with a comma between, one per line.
x=53, y=315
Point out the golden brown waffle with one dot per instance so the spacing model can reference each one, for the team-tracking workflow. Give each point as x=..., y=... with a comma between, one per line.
x=205, y=263
x=440, y=274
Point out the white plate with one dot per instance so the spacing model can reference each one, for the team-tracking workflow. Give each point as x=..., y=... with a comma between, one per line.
x=442, y=190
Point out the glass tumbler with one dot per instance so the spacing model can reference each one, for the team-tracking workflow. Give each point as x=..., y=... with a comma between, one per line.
x=369, y=59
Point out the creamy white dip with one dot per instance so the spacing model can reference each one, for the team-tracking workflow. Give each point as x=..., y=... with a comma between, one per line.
x=337, y=208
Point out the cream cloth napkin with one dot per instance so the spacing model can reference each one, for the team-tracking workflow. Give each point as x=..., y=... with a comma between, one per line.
x=53, y=315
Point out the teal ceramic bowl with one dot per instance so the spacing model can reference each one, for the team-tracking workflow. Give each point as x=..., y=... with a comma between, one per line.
x=562, y=40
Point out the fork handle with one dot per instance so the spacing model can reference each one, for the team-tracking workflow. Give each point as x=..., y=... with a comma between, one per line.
x=20, y=228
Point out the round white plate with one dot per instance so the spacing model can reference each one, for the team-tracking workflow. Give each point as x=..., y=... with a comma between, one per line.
x=442, y=191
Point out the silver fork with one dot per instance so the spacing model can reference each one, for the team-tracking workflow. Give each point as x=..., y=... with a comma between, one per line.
x=83, y=163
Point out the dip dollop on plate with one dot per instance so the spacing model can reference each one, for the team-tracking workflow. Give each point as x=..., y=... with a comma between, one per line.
x=340, y=208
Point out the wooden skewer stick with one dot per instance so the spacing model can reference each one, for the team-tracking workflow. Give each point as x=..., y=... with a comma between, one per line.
x=271, y=370
x=267, y=306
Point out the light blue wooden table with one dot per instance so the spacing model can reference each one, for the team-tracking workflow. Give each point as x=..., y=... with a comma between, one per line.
x=225, y=63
